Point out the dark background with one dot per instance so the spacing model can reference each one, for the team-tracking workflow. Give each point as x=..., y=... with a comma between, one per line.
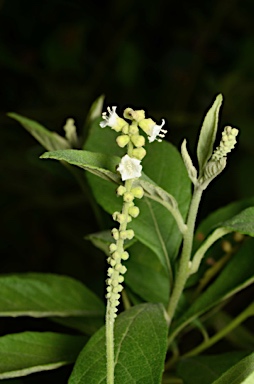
x=56, y=57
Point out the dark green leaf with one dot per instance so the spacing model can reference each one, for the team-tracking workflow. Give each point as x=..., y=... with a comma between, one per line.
x=235, y=276
x=208, y=134
x=43, y=295
x=241, y=373
x=206, y=369
x=243, y=222
x=146, y=276
x=49, y=140
x=97, y=163
x=140, y=349
x=28, y=352
x=218, y=216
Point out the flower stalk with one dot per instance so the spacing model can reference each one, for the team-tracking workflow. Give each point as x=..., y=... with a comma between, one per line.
x=130, y=169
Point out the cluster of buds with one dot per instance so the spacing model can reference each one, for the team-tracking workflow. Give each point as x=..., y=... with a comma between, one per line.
x=218, y=160
x=130, y=169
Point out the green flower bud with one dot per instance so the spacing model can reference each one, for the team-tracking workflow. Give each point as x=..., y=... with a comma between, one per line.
x=116, y=255
x=118, y=267
x=138, y=192
x=125, y=255
x=129, y=219
x=139, y=153
x=128, y=234
x=121, y=279
x=112, y=262
x=120, y=190
x=133, y=130
x=112, y=247
x=128, y=197
x=115, y=233
x=110, y=271
x=108, y=295
x=123, y=269
x=125, y=129
x=109, y=289
x=122, y=140
x=138, y=140
x=133, y=211
x=130, y=114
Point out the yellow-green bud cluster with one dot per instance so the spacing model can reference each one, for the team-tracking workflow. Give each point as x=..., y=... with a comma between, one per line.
x=117, y=253
x=227, y=143
x=130, y=169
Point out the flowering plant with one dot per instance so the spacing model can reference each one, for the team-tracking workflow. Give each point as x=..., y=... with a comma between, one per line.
x=168, y=277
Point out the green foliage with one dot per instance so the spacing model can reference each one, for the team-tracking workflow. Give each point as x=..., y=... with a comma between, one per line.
x=44, y=295
x=206, y=369
x=140, y=348
x=208, y=134
x=158, y=269
x=236, y=276
x=29, y=352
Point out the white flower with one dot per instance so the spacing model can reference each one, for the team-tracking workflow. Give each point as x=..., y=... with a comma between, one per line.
x=152, y=129
x=109, y=120
x=156, y=131
x=112, y=120
x=129, y=168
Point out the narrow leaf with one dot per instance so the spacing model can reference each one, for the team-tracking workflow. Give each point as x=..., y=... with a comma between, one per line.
x=24, y=353
x=140, y=349
x=95, y=110
x=208, y=134
x=49, y=140
x=206, y=369
x=43, y=295
x=241, y=373
x=243, y=222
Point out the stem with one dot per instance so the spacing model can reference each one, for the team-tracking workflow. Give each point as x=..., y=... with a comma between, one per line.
x=110, y=345
x=197, y=258
x=184, y=268
x=249, y=311
x=111, y=305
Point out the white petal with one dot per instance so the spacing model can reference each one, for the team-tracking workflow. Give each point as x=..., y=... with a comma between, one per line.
x=129, y=168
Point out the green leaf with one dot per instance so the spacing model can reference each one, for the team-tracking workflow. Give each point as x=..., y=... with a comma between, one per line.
x=49, y=140
x=208, y=134
x=95, y=110
x=145, y=275
x=87, y=325
x=140, y=349
x=28, y=352
x=97, y=163
x=234, y=277
x=223, y=214
x=241, y=373
x=243, y=222
x=43, y=295
x=206, y=369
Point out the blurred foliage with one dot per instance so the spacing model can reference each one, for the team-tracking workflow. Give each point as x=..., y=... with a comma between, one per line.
x=57, y=56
